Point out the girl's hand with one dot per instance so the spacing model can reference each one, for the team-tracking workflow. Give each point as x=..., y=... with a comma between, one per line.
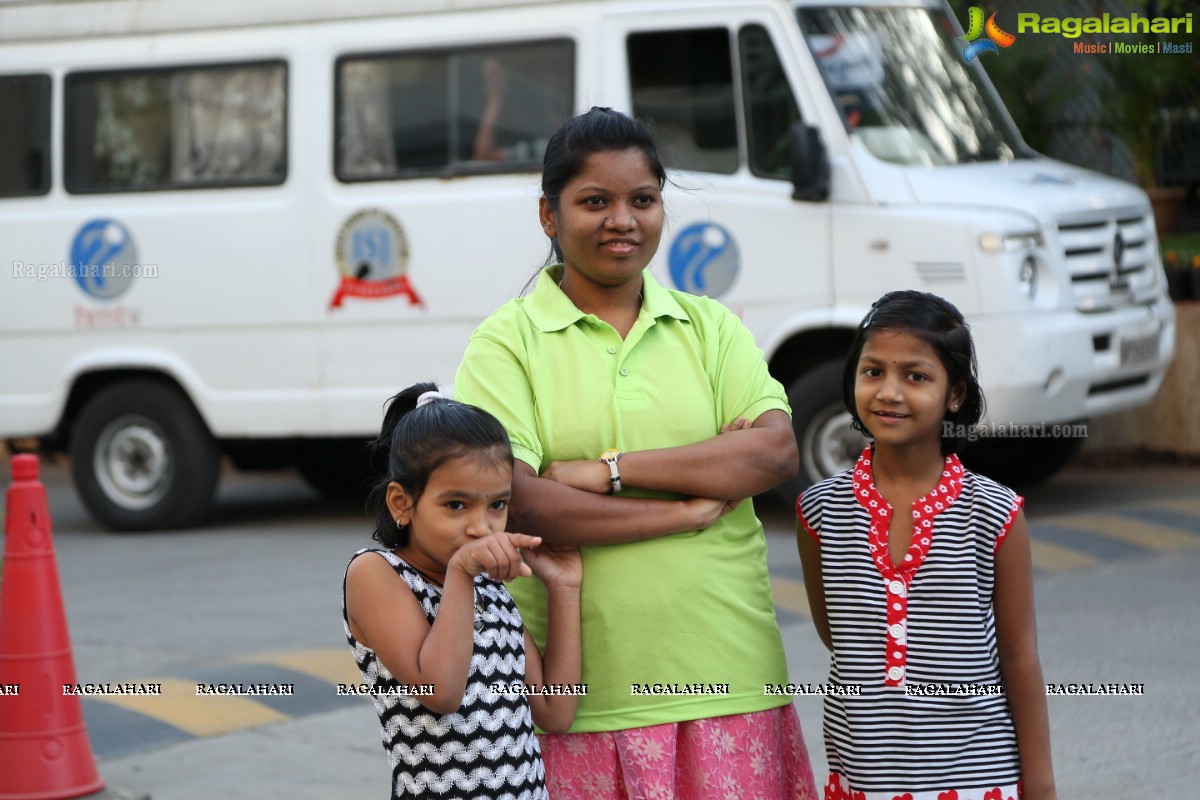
x=497, y=554
x=557, y=566
x=591, y=475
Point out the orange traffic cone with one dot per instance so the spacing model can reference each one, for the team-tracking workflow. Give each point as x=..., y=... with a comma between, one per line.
x=44, y=749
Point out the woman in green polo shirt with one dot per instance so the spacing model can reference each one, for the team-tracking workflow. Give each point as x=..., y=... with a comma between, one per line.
x=642, y=420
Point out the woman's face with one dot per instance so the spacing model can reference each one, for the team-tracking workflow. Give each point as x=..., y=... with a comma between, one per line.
x=609, y=219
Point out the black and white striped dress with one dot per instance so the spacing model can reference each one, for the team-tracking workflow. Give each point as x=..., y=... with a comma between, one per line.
x=925, y=626
x=487, y=749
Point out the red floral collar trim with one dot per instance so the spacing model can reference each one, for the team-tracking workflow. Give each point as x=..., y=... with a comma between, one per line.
x=924, y=510
x=897, y=579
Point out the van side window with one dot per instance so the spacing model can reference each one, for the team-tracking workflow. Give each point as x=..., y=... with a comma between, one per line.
x=770, y=106
x=24, y=135
x=450, y=112
x=682, y=82
x=178, y=128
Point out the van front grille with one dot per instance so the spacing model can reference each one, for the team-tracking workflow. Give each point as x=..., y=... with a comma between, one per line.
x=1109, y=257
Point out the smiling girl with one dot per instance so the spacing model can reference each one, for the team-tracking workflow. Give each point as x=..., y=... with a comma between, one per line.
x=919, y=577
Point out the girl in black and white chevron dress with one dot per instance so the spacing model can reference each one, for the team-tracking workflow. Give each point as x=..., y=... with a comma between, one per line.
x=456, y=680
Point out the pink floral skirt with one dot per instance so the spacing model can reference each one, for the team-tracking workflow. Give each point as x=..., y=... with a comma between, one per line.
x=757, y=756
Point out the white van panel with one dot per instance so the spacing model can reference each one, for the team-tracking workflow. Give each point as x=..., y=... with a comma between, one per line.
x=253, y=309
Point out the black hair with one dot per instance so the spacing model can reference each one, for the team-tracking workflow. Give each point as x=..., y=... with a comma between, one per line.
x=939, y=324
x=416, y=441
x=599, y=130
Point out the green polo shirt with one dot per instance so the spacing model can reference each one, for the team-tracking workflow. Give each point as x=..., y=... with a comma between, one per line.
x=675, y=628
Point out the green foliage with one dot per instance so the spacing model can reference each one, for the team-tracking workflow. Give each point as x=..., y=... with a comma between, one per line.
x=1144, y=8
x=1180, y=243
x=1144, y=90
x=1140, y=93
x=1181, y=264
x=1022, y=78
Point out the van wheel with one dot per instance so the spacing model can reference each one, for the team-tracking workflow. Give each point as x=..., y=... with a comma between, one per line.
x=142, y=458
x=826, y=441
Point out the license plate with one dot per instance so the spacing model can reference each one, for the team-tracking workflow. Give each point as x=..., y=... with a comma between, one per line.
x=1135, y=351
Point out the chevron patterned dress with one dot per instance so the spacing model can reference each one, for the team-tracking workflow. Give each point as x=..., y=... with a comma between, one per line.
x=487, y=749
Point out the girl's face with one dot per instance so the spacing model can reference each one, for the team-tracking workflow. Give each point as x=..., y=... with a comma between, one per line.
x=902, y=391
x=465, y=498
x=609, y=219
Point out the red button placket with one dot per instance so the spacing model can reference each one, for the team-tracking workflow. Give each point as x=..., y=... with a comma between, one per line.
x=897, y=580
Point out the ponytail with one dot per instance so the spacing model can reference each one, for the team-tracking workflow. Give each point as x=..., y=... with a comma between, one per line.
x=421, y=431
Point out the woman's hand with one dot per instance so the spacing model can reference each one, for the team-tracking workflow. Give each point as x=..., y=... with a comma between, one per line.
x=591, y=475
x=708, y=510
x=497, y=554
x=737, y=425
x=557, y=566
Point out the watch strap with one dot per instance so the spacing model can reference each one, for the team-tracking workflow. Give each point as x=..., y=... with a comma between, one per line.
x=611, y=456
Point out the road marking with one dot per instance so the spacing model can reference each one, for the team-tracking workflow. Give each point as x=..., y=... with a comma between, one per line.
x=199, y=715
x=189, y=715
x=335, y=665
x=115, y=731
x=1052, y=558
x=790, y=595
x=1136, y=532
x=1188, y=504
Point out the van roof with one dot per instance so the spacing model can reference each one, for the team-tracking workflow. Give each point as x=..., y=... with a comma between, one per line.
x=40, y=20
x=26, y=20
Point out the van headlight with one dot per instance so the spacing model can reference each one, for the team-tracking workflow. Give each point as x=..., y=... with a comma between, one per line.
x=992, y=242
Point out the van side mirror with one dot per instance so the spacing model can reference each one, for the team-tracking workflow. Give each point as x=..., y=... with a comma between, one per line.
x=810, y=164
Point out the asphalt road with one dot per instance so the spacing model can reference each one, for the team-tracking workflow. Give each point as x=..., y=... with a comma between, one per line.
x=254, y=596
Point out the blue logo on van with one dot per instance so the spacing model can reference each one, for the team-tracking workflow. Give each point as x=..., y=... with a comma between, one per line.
x=704, y=259
x=103, y=258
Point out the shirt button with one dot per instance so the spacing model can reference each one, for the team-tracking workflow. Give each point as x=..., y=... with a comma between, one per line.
x=896, y=588
x=895, y=673
x=624, y=371
x=896, y=630
x=612, y=350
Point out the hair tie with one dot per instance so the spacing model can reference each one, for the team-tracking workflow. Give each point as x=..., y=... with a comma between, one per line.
x=428, y=397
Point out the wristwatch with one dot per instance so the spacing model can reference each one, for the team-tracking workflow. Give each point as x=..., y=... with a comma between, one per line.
x=611, y=456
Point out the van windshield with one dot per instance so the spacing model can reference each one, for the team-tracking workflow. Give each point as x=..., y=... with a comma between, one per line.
x=904, y=91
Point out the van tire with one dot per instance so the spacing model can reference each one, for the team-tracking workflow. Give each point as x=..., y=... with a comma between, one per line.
x=826, y=442
x=142, y=459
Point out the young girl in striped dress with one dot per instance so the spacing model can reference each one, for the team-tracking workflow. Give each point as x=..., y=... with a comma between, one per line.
x=919, y=576
x=457, y=681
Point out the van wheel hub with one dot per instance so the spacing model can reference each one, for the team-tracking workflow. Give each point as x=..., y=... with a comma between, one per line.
x=133, y=462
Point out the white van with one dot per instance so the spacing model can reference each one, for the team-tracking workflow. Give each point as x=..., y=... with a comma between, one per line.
x=237, y=228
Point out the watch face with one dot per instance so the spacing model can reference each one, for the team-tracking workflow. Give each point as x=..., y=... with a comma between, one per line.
x=610, y=454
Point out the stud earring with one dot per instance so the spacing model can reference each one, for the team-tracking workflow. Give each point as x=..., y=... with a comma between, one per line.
x=954, y=407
